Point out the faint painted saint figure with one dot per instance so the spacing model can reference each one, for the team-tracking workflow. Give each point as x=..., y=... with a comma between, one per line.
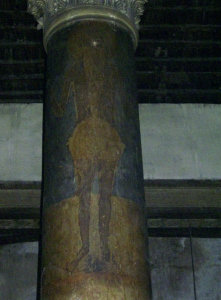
x=95, y=145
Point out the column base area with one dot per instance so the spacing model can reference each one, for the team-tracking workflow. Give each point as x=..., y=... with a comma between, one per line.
x=79, y=268
x=99, y=286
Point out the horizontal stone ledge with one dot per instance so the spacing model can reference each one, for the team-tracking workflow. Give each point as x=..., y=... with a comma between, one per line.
x=185, y=232
x=30, y=231
x=19, y=236
x=20, y=198
x=184, y=223
x=8, y=224
x=162, y=197
x=12, y=224
x=144, y=96
x=180, y=197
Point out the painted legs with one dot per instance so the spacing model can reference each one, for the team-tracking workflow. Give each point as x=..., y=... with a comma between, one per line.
x=85, y=174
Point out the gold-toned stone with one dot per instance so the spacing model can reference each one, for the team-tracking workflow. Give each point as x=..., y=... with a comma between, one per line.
x=124, y=277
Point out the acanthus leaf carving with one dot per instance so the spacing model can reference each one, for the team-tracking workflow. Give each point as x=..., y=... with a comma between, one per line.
x=37, y=9
x=138, y=9
x=131, y=8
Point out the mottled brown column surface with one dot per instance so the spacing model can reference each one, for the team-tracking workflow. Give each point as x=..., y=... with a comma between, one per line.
x=94, y=243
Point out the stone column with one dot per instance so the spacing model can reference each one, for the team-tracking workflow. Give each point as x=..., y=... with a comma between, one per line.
x=94, y=233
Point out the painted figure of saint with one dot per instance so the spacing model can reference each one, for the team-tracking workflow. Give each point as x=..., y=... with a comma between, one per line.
x=95, y=144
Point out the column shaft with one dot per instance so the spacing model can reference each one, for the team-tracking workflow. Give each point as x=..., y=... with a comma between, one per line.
x=94, y=243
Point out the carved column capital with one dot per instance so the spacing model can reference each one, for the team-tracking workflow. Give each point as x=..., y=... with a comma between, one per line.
x=53, y=15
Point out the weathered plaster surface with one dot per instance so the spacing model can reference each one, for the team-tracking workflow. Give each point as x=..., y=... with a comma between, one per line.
x=171, y=269
x=20, y=142
x=18, y=271
x=207, y=268
x=178, y=141
x=181, y=141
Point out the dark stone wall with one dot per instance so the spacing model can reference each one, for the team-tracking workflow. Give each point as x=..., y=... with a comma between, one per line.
x=177, y=60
